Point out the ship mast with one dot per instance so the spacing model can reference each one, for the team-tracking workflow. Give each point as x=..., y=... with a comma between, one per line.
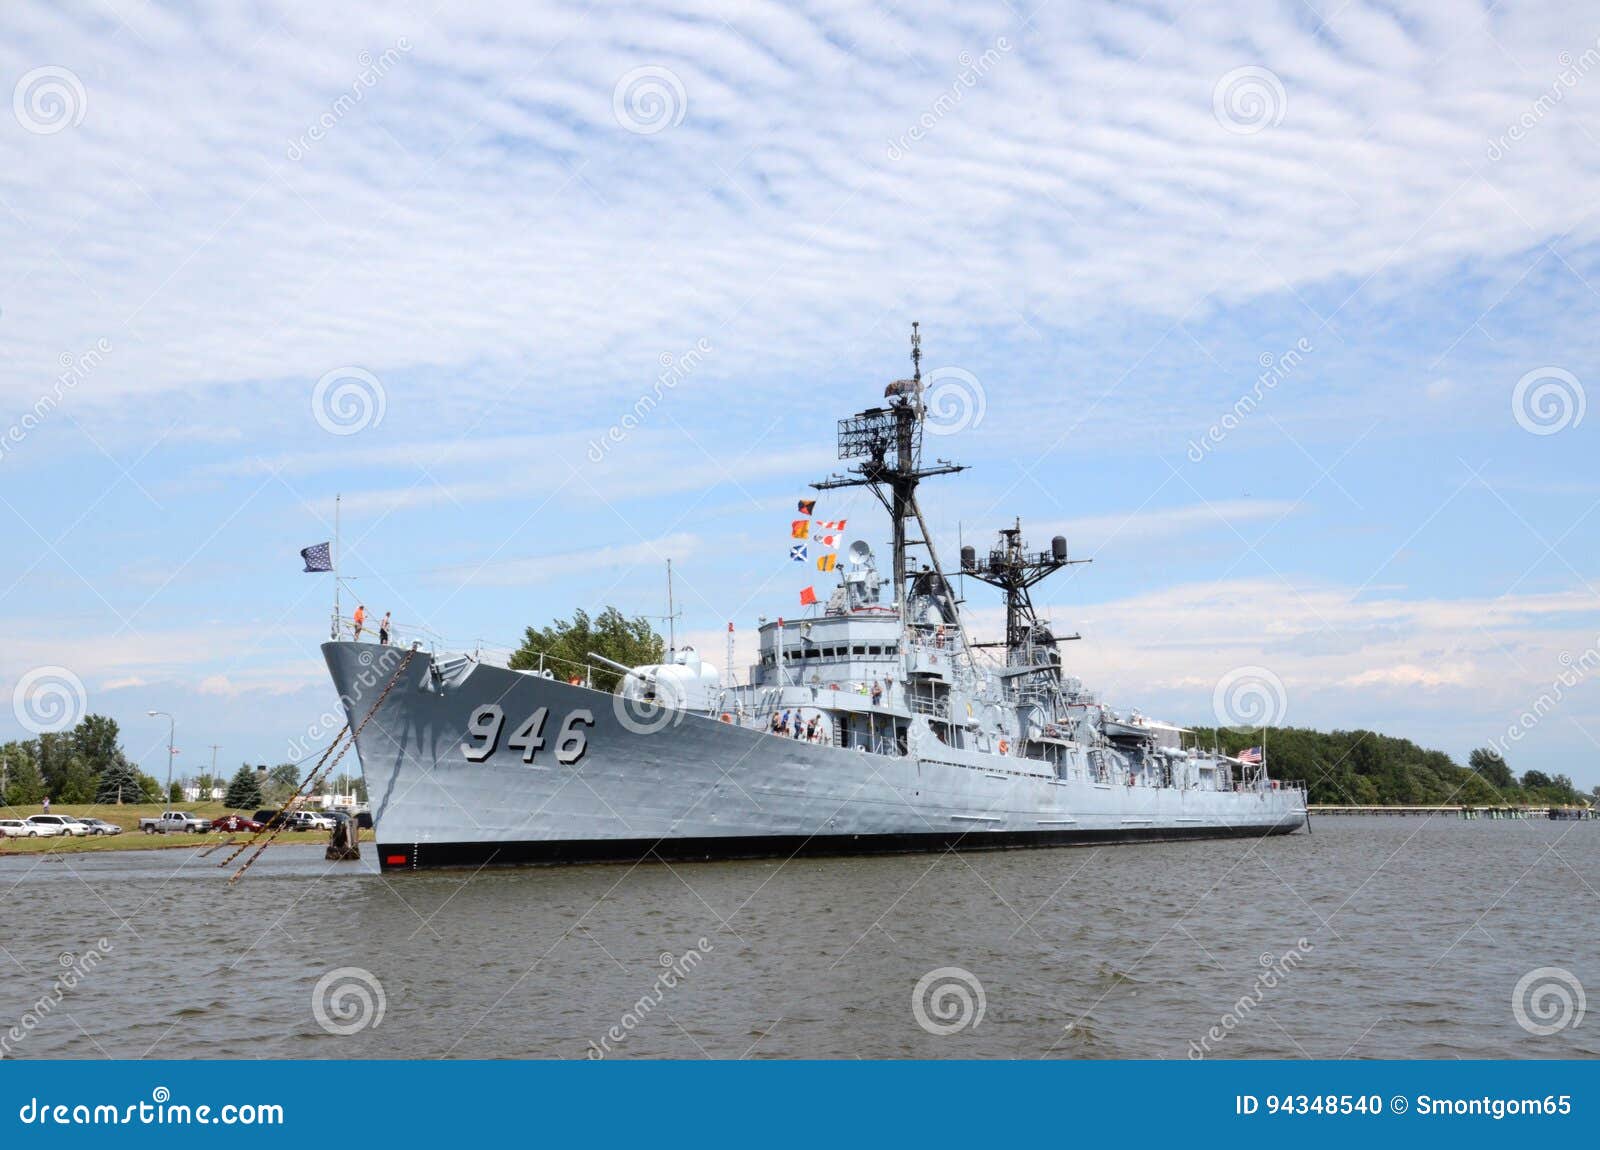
x=888, y=442
x=1014, y=570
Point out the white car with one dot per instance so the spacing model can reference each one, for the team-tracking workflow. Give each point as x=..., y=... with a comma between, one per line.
x=311, y=821
x=100, y=826
x=64, y=824
x=18, y=829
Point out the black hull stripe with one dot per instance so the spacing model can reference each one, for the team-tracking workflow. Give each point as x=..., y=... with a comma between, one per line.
x=427, y=856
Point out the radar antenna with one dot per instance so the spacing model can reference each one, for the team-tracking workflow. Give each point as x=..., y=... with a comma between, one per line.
x=888, y=442
x=1012, y=568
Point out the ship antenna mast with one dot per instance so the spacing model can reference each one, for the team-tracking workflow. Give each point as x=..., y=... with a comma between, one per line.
x=888, y=442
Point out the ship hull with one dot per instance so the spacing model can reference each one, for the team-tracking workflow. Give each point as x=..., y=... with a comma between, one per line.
x=590, y=781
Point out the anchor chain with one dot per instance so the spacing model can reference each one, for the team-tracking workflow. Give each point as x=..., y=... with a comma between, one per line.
x=400, y=670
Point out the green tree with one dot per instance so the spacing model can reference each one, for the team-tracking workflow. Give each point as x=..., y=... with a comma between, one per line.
x=282, y=782
x=244, y=791
x=24, y=787
x=76, y=783
x=149, y=788
x=566, y=644
x=51, y=753
x=1536, y=781
x=94, y=740
x=119, y=783
x=1491, y=764
x=357, y=786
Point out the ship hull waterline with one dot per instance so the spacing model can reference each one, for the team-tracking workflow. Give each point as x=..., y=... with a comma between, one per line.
x=587, y=781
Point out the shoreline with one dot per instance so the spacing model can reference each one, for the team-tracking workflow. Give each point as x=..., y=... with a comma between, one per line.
x=138, y=841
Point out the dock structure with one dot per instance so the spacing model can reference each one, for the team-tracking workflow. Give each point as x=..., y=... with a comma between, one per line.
x=1460, y=811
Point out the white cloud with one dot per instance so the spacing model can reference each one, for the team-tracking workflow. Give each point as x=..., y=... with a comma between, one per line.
x=481, y=202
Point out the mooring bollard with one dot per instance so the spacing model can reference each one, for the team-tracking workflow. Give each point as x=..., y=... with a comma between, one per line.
x=344, y=844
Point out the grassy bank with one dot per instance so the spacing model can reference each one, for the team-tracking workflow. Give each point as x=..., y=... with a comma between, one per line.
x=132, y=838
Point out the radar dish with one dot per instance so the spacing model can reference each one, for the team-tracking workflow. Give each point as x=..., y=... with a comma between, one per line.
x=860, y=554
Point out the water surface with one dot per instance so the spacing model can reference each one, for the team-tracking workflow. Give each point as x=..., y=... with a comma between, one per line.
x=1416, y=932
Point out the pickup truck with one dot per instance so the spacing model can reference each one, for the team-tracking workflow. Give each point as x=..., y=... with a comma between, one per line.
x=174, y=821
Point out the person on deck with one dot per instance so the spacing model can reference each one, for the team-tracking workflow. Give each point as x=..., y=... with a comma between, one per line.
x=359, y=619
x=877, y=693
x=383, y=629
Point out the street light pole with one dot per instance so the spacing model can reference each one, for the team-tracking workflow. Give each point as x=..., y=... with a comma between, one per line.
x=172, y=736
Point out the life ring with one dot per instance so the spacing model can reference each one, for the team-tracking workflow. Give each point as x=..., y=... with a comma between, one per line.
x=727, y=718
x=1004, y=746
x=575, y=681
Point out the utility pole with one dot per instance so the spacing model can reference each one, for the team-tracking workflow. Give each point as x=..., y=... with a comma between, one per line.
x=172, y=728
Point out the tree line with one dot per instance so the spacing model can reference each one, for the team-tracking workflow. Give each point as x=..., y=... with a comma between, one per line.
x=87, y=765
x=1364, y=768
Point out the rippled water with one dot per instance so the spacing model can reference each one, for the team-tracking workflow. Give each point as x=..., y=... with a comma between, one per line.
x=1416, y=934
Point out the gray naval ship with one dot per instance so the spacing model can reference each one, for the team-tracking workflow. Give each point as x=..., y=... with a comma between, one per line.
x=878, y=724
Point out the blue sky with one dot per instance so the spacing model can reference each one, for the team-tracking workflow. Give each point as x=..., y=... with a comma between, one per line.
x=486, y=231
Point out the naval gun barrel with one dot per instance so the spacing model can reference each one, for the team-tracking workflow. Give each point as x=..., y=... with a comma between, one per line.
x=623, y=667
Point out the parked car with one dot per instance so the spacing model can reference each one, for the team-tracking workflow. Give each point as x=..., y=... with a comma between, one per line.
x=101, y=827
x=64, y=824
x=268, y=816
x=236, y=823
x=364, y=820
x=172, y=821
x=22, y=829
x=311, y=821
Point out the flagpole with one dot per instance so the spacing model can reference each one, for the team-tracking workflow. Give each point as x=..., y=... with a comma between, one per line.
x=337, y=498
x=672, y=630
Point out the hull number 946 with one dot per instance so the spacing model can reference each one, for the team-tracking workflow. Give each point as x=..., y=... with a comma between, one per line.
x=488, y=722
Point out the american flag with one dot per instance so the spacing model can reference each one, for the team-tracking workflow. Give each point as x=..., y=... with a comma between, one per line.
x=317, y=558
x=1251, y=755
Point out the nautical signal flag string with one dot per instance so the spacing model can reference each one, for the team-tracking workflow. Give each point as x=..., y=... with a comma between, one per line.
x=823, y=532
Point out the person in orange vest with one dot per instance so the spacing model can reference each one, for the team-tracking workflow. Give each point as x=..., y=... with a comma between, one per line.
x=359, y=619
